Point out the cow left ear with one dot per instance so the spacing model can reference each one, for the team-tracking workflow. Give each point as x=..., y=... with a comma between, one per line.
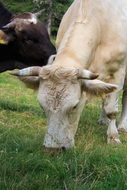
x=3, y=38
x=98, y=88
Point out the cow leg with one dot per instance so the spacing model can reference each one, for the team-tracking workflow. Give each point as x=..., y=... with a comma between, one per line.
x=122, y=127
x=103, y=119
x=111, y=109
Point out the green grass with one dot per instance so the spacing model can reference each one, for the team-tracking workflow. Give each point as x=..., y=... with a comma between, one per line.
x=16, y=6
x=24, y=165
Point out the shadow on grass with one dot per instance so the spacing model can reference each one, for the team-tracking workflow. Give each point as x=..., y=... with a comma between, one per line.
x=11, y=106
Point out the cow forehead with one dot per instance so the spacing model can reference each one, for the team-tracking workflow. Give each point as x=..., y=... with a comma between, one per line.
x=58, y=94
x=59, y=73
x=57, y=87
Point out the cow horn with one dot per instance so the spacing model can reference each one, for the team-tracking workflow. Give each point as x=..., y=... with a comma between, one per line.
x=30, y=71
x=39, y=13
x=10, y=25
x=86, y=74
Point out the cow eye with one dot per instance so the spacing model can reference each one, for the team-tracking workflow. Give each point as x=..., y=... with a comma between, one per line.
x=74, y=107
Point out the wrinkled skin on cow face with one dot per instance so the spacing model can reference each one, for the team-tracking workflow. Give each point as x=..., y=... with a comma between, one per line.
x=62, y=100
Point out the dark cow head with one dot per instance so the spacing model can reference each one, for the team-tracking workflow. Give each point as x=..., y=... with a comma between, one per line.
x=31, y=37
x=24, y=39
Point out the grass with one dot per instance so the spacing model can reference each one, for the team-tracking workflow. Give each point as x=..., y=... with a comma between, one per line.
x=16, y=6
x=24, y=165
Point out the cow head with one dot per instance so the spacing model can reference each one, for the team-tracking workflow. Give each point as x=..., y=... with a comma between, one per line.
x=30, y=36
x=62, y=94
x=16, y=24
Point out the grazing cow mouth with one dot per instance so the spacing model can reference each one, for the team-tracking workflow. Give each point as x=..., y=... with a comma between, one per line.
x=53, y=151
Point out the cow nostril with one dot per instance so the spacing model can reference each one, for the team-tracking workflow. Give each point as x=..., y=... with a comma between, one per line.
x=63, y=148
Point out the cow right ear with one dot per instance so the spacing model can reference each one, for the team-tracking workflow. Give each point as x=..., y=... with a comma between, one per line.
x=29, y=76
x=31, y=82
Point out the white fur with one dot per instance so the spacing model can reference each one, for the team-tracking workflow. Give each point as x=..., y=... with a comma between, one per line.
x=33, y=19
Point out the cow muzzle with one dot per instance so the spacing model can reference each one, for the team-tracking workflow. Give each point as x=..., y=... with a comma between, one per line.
x=59, y=137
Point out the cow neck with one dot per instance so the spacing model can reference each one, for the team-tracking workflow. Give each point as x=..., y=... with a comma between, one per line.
x=79, y=42
x=68, y=59
x=79, y=45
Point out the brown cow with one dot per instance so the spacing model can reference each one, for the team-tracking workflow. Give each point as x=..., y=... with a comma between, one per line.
x=24, y=41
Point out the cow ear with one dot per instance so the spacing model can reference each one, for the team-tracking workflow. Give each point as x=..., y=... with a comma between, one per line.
x=31, y=82
x=3, y=38
x=29, y=76
x=98, y=88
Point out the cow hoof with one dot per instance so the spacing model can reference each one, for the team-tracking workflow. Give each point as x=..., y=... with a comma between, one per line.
x=113, y=140
x=122, y=130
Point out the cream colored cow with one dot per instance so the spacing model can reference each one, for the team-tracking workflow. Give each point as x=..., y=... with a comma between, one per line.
x=92, y=36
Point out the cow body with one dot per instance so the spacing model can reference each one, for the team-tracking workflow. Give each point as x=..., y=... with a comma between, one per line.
x=24, y=41
x=92, y=35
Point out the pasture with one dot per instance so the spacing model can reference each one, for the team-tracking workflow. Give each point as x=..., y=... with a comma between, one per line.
x=24, y=164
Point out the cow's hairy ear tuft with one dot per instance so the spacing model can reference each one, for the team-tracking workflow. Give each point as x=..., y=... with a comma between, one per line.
x=31, y=82
x=98, y=88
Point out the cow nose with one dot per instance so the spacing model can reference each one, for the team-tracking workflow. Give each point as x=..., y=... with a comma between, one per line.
x=63, y=148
